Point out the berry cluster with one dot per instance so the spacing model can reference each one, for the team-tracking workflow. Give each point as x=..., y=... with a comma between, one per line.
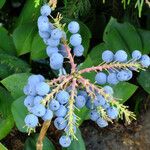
x=53, y=36
x=57, y=100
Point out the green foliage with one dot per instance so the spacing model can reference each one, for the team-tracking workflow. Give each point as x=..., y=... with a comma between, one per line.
x=2, y=2
x=2, y=147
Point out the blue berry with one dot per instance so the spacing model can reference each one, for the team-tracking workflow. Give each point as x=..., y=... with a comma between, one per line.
x=75, y=39
x=112, y=112
x=83, y=93
x=73, y=27
x=63, y=97
x=56, y=34
x=41, y=78
x=28, y=102
x=80, y=101
x=37, y=100
x=107, y=56
x=67, y=129
x=61, y=112
x=42, y=88
x=112, y=79
x=54, y=105
x=136, y=54
x=108, y=90
x=65, y=141
x=124, y=75
x=33, y=79
x=89, y=104
x=100, y=78
x=29, y=90
x=31, y=121
x=62, y=50
x=56, y=61
x=94, y=115
x=78, y=50
x=120, y=56
x=99, y=100
x=44, y=34
x=106, y=105
x=60, y=123
x=145, y=61
x=48, y=115
x=45, y=10
x=50, y=50
x=38, y=110
x=101, y=122
x=53, y=43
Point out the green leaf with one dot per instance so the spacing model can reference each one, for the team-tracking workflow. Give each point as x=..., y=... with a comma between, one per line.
x=2, y=2
x=144, y=80
x=2, y=147
x=19, y=112
x=121, y=36
x=38, y=48
x=11, y=64
x=77, y=145
x=6, y=42
x=15, y=84
x=124, y=91
x=6, y=118
x=30, y=143
x=23, y=36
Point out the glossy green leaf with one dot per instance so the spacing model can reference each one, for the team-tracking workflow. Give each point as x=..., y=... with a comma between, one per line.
x=2, y=2
x=30, y=143
x=38, y=48
x=19, y=112
x=6, y=118
x=2, y=147
x=77, y=144
x=6, y=42
x=23, y=36
x=15, y=84
x=144, y=80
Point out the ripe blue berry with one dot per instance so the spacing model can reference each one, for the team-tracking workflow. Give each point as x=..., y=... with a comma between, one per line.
x=45, y=10
x=145, y=61
x=48, y=115
x=33, y=79
x=31, y=121
x=136, y=54
x=94, y=115
x=62, y=50
x=61, y=112
x=107, y=89
x=37, y=100
x=112, y=112
x=78, y=50
x=53, y=43
x=75, y=39
x=101, y=122
x=65, y=141
x=29, y=90
x=100, y=78
x=124, y=75
x=60, y=123
x=44, y=34
x=99, y=100
x=28, y=102
x=89, y=104
x=42, y=88
x=63, y=97
x=54, y=105
x=38, y=110
x=120, y=56
x=83, y=93
x=73, y=27
x=80, y=101
x=50, y=50
x=112, y=79
x=56, y=34
x=107, y=56
x=56, y=61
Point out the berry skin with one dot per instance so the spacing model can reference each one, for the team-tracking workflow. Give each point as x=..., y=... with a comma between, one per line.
x=44, y=35
x=124, y=75
x=60, y=123
x=112, y=112
x=48, y=115
x=28, y=102
x=106, y=105
x=63, y=97
x=120, y=56
x=54, y=105
x=61, y=112
x=80, y=101
x=100, y=78
x=65, y=141
x=38, y=110
x=107, y=56
x=75, y=39
x=136, y=54
x=108, y=90
x=37, y=100
x=73, y=27
x=33, y=79
x=78, y=50
x=83, y=93
x=53, y=43
x=89, y=104
x=31, y=121
x=101, y=122
x=94, y=115
x=42, y=88
x=99, y=100
x=56, y=61
x=145, y=61
x=56, y=34
x=50, y=50
x=29, y=90
x=112, y=79
x=62, y=50
x=45, y=10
